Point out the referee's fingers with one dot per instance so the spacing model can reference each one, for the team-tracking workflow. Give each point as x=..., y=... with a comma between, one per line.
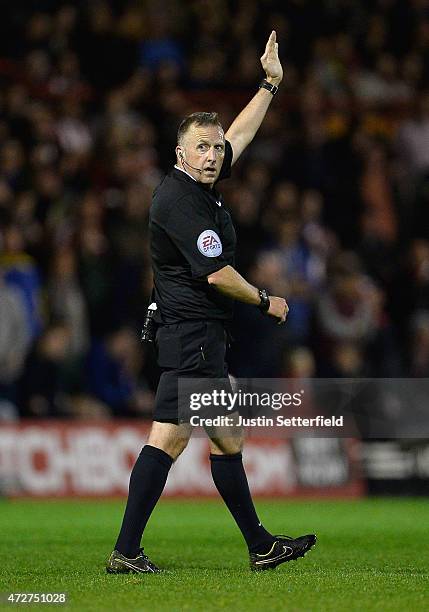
x=285, y=313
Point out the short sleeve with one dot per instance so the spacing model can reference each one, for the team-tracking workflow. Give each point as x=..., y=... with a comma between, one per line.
x=196, y=235
x=225, y=171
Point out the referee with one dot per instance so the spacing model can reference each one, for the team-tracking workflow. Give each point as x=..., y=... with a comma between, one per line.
x=192, y=245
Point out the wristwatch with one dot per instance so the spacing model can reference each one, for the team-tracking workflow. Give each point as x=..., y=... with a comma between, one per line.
x=273, y=89
x=265, y=303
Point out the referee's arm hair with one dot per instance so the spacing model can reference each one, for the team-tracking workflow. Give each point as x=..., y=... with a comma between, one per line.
x=246, y=124
x=230, y=282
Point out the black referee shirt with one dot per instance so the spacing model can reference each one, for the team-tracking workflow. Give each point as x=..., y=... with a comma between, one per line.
x=192, y=236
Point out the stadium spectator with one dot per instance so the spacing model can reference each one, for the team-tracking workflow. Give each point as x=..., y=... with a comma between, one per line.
x=348, y=312
x=113, y=375
x=67, y=301
x=14, y=341
x=43, y=390
x=20, y=271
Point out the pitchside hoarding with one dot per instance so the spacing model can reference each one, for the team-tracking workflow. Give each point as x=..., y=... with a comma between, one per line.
x=63, y=459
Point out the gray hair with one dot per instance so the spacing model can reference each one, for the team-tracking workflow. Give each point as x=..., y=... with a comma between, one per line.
x=196, y=119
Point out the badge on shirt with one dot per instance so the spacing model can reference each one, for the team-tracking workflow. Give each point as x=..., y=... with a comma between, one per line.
x=209, y=244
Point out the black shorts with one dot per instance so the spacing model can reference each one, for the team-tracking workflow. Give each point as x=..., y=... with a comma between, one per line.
x=193, y=349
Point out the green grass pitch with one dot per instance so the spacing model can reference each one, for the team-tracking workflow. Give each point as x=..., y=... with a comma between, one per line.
x=371, y=555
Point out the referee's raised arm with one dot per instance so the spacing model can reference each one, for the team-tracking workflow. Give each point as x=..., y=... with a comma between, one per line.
x=246, y=124
x=241, y=133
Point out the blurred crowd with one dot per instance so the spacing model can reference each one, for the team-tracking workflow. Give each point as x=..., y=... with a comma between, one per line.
x=330, y=201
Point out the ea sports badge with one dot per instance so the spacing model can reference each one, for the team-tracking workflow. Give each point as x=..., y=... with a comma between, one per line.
x=209, y=244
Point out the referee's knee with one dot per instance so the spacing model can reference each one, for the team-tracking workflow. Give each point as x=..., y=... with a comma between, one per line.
x=226, y=446
x=170, y=438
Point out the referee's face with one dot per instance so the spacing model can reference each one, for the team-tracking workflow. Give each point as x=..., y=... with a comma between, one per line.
x=202, y=152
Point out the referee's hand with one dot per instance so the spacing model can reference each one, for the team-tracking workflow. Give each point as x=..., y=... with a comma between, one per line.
x=278, y=309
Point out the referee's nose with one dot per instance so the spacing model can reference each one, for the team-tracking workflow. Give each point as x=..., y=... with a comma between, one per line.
x=211, y=155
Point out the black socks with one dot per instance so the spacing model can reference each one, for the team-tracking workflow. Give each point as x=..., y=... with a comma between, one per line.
x=231, y=482
x=147, y=482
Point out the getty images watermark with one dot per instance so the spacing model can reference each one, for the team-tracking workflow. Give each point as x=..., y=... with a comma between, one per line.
x=237, y=402
x=284, y=408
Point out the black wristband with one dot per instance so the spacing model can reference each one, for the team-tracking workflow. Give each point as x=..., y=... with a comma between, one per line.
x=273, y=89
x=265, y=303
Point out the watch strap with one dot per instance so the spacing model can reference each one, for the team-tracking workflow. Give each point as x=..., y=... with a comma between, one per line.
x=273, y=89
x=264, y=304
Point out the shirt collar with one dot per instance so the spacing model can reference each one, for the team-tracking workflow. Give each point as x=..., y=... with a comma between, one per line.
x=187, y=173
x=204, y=187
